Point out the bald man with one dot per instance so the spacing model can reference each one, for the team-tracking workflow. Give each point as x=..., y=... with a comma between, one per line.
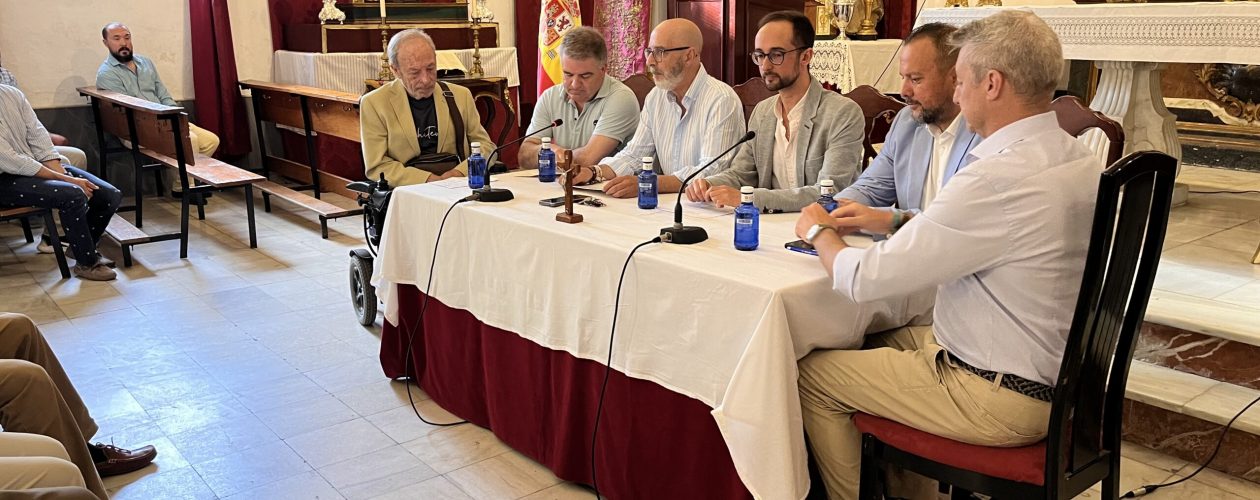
x=687, y=120
x=126, y=72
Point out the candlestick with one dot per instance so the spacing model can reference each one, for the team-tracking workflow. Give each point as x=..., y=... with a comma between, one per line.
x=382, y=10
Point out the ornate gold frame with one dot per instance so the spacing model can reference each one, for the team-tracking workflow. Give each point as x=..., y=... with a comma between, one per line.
x=1236, y=107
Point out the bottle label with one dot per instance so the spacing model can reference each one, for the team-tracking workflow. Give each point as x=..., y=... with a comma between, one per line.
x=743, y=222
x=645, y=186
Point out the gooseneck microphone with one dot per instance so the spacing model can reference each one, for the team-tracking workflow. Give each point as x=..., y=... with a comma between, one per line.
x=688, y=235
x=495, y=195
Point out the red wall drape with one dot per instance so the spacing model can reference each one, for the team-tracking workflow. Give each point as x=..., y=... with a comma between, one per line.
x=898, y=18
x=220, y=108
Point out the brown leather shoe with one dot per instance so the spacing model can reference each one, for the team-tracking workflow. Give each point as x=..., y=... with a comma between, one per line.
x=119, y=461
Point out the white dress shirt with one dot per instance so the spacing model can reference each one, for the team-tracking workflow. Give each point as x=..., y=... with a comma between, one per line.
x=785, y=145
x=942, y=146
x=681, y=142
x=1004, y=243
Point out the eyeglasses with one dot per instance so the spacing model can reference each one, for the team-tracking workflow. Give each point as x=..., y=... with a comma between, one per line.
x=776, y=56
x=656, y=54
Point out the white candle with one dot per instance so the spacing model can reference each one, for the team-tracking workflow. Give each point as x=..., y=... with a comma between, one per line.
x=382, y=9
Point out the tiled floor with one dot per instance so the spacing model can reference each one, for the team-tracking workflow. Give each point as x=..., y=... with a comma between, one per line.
x=247, y=370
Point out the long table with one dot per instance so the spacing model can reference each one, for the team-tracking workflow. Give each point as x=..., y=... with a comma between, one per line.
x=707, y=338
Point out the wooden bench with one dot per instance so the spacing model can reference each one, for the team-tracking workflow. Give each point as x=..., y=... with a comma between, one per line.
x=312, y=111
x=24, y=214
x=160, y=133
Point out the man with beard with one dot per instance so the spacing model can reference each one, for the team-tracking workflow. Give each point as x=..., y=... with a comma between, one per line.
x=804, y=135
x=927, y=144
x=599, y=113
x=687, y=120
x=403, y=119
x=132, y=74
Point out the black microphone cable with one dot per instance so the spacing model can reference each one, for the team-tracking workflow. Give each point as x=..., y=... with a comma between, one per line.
x=1150, y=488
x=424, y=305
x=612, y=335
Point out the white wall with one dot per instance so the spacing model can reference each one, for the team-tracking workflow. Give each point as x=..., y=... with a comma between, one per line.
x=54, y=46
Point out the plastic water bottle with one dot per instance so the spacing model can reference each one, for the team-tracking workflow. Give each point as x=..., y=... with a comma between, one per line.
x=546, y=162
x=647, y=185
x=476, y=168
x=827, y=199
x=747, y=224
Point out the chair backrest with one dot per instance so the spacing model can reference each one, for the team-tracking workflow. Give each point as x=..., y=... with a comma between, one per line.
x=157, y=127
x=879, y=111
x=488, y=106
x=641, y=84
x=1076, y=118
x=752, y=92
x=1130, y=219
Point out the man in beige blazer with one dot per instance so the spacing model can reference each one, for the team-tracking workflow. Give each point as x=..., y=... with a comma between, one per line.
x=410, y=116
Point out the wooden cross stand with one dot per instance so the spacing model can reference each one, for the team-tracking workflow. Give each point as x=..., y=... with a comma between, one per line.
x=570, y=171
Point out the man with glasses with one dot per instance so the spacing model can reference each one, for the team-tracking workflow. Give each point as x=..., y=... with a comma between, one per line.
x=599, y=113
x=687, y=120
x=804, y=135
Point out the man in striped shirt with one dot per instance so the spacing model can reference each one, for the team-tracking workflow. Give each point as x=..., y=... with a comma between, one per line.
x=687, y=120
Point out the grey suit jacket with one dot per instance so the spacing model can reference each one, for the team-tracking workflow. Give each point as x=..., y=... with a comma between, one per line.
x=829, y=146
x=897, y=174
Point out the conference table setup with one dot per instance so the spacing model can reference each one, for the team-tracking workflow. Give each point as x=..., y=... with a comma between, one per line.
x=701, y=399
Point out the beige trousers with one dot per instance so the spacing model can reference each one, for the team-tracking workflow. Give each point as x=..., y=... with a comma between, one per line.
x=205, y=142
x=903, y=375
x=73, y=155
x=36, y=397
x=35, y=461
x=57, y=493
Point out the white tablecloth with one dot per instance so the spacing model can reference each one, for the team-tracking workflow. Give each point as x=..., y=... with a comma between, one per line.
x=345, y=71
x=707, y=321
x=849, y=63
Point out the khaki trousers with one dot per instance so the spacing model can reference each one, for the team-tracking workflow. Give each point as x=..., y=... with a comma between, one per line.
x=903, y=375
x=205, y=142
x=36, y=397
x=34, y=461
x=58, y=493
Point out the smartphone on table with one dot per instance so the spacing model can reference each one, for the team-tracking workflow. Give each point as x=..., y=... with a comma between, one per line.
x=800, y=246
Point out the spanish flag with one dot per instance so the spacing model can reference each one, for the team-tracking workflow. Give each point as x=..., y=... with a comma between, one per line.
x=555, y=19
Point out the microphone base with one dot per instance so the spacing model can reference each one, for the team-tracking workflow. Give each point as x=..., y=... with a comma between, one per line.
x=686, y=235
x=493, y=195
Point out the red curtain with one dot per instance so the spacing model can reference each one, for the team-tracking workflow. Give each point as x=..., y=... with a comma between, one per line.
x=290, y=12
x=220, y=108
x=898, y=18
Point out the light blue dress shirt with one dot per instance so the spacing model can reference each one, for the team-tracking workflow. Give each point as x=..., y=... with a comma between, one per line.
x=144, y=83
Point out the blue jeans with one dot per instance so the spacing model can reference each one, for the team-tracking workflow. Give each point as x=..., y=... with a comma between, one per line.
x=84, y=219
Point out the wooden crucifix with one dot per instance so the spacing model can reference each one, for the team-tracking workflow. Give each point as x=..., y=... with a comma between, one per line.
x=570, y=171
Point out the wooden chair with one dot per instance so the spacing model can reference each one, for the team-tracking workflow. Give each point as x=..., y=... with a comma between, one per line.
x=752, y=92
x=24, y=215
x=1083, y=444
x=1076, y=118
x=641, y=84
x=879, y=111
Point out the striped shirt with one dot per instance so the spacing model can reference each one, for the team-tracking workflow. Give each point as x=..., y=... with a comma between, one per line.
x=144, y=83
x=24, y=143
x=6, y=78
x=681, y=142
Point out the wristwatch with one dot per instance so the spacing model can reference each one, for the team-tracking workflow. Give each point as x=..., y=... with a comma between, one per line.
x=816, y=230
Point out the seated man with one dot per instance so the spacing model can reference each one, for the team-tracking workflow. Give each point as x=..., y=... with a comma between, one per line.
x=1003, y=244
x=402, y=119
x=599, y=113
x=32, y=174
x=36, y=397
x=126, y=72
x=73, y=155
x=687, y=120
x=928, y=142
x=804, y=135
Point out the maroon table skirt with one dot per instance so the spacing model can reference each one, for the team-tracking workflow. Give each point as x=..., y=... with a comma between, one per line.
x=653, y=443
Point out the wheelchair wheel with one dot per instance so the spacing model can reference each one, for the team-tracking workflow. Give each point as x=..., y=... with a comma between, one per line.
x=363, y=295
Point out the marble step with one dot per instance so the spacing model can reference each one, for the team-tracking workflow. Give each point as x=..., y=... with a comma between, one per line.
x=1181, y=414
x=1202, y=337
